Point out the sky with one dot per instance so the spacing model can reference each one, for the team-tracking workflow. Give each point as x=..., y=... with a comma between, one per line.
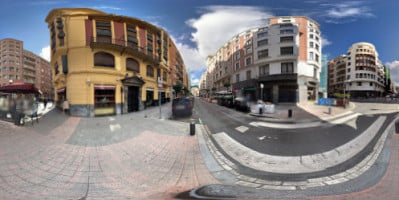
x=200, y=27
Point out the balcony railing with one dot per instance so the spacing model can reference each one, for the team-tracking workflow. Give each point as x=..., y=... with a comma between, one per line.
x=123, y=46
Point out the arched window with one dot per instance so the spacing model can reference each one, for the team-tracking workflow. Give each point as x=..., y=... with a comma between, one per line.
x=132, y=65
x=104, y=59
x=150, y=71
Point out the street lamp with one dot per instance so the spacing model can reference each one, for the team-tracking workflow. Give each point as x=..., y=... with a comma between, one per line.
x=261, y=91
x=347, y=81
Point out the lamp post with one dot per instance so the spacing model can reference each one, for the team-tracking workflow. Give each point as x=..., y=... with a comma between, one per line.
x=261, y=91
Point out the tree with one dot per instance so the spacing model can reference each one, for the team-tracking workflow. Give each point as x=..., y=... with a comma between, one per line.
x=178, y=87
x=226, y=85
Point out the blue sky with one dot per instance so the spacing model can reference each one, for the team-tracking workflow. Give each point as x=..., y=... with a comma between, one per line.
x=200, y=27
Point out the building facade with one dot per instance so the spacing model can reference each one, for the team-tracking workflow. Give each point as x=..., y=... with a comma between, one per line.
x=359, y=73
x=106, y=64
x=288, y=59
x=20, y=65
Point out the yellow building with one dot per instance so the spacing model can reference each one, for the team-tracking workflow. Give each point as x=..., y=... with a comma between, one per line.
x=108, y=64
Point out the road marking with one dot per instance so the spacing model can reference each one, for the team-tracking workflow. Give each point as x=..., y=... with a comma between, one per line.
x=261, y=138
x=114, y=127
x=242, y=129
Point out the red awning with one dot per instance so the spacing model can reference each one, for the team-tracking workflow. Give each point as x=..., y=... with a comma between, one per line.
x=26, y=88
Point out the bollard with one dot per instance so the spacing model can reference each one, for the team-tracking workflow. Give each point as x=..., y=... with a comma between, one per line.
x=192, y=128
x=397, y=126
x=289, y=113
x=260, y=110
x=329, y=110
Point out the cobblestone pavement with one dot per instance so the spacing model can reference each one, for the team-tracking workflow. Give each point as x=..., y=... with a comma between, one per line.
x=147, y=165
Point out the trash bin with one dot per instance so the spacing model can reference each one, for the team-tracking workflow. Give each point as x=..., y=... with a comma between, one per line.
x=397, y=126
x=19, y=119
x=192, y=128
x=289, y=113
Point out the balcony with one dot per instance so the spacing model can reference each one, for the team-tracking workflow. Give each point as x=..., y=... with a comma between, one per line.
x=123, y=46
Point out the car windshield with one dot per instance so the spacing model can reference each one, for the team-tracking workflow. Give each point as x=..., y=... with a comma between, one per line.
x=173, y=99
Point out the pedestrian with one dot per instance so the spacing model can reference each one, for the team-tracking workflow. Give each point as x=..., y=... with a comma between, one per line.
x=65, y=106
x=45, y=103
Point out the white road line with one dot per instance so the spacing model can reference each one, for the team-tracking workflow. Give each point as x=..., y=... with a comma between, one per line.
x=242, y=129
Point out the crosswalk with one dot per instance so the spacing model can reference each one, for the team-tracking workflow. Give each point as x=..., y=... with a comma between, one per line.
x=348, y=118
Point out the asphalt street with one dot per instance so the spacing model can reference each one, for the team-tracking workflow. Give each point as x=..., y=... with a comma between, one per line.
x=282, y=142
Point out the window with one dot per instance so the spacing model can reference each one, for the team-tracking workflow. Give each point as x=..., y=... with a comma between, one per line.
x=131, y=36
x=311, y=36
x=315, y=72
x=317, y=46
x=248, y=61
x=311, y=44
x=359, y=83
x=262, y=34
x=311, y=56
x=103, y=30
x=164, y=76
x=237, y=77
x=150, y=49
x=132, y=65
x=287, y=68
x=349, y=70
x=287, y=39
x=263, y=53
x=237, y=56
x=317, y=38
x=150, y=71
x=286, y=31
x=287, y=50
x=348, y=77
x=248, y=50
x=371, y=84
x=104, y=59
x=285, y=25
x=264, y=70
x=237, y=66
x=248, y=74
x=317, y=57
x=262, y=42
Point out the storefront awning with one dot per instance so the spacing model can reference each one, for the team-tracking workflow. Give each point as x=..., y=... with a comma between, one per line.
x=25, y=88
x=104, y=87
x=250, y=89
x=61, y=90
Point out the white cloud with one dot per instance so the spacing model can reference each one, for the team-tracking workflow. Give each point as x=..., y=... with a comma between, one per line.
x=215, y=27
x=325, y=41
x=394, y=66
x=107, y=8
x=194, y=81
x=45, y=53
x=347, y=12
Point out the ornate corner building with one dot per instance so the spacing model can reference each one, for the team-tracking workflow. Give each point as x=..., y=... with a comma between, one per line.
x=106, y=64
x=359, y=73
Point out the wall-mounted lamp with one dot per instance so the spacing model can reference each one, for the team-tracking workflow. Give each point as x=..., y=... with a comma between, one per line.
x=88, y=81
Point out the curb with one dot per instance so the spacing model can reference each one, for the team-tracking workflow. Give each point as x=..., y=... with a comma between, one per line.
x=351, y=173
x=195, y=194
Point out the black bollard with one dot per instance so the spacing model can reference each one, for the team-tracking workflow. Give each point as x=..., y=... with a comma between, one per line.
x=192, y=128
x=397, y=126
x=289, y=113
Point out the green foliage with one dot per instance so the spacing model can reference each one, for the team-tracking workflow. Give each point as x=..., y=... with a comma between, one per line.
x=341, y=96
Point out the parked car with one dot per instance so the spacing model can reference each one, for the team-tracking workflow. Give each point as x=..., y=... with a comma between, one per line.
x=182, y=106
x=241, y=104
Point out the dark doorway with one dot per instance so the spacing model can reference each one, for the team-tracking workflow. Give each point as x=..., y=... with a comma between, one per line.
x=133, y=99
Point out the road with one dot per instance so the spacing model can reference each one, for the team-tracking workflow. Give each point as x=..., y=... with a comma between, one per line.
x=285, y=142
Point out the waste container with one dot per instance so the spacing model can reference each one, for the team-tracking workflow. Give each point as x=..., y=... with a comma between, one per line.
x=289, y=113
x=19, y=119
x=192, y=128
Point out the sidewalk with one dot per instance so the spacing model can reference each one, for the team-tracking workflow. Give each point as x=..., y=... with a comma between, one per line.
x=304, y=113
